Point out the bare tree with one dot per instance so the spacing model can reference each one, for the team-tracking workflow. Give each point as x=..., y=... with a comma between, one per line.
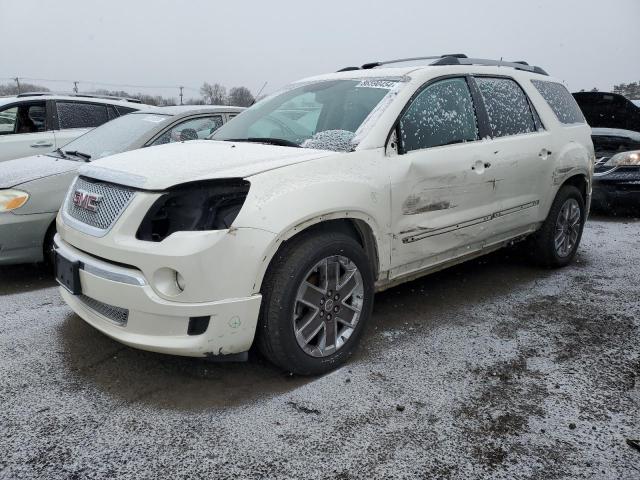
x=629, y=90
x=214, y=94
x=241, y=97
x=12, y=88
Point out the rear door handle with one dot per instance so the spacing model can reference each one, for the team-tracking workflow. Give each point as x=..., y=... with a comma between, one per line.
x=41, y=144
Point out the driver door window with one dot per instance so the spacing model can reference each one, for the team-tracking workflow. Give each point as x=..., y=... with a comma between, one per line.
x=193, y=129
x=442, y=114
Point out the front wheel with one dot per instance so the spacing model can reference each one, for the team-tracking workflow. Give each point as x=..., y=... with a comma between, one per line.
x=556, y=243
x=317, y=298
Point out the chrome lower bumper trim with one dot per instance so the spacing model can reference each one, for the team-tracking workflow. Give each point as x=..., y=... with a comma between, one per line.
x=99, y=268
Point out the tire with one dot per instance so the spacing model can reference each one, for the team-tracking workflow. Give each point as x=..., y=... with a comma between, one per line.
x=47, y=248
x=301, y=297
x=544, y=247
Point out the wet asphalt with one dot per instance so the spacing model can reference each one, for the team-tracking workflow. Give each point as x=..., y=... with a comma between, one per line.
x=492, y=369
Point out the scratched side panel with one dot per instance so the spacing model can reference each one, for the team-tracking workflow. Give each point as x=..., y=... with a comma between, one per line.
x=439, y=202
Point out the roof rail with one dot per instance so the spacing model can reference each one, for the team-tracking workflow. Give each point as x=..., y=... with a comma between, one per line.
x=519, y=65
x=454, y=59
x=84, y=95
x=368, y=66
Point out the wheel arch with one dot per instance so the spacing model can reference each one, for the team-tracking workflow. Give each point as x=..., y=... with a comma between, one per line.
x=359, y=226
x=581, y=182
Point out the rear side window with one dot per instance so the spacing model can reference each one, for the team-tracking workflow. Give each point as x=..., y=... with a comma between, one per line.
x=560, y=100
x=442, y=114
x=81, y=115
x=507, y=107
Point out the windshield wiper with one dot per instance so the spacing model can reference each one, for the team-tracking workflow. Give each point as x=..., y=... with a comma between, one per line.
x=272, y=141
x=85, y=156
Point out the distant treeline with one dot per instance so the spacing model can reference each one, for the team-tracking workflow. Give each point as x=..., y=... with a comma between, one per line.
x=210, y=94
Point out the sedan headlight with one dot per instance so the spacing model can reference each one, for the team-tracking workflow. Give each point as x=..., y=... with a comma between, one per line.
x=12, y=200
x=210, y=205
x=624, y=159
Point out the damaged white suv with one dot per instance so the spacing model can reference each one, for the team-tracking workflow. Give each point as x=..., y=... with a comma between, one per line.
x=278, y=231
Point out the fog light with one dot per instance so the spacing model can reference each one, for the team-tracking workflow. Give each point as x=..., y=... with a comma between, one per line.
x=168, y=282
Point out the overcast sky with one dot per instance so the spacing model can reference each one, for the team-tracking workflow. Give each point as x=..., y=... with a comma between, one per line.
x=170, y=43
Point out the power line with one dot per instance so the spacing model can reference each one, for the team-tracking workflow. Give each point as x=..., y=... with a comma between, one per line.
x=106, y=84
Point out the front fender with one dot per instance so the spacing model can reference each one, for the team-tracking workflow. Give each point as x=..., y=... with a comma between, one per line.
x=351, y=185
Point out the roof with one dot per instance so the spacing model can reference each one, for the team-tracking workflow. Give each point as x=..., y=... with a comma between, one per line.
x=178, y=109
x=457, y=63
x=92, y=99
x=423, y=71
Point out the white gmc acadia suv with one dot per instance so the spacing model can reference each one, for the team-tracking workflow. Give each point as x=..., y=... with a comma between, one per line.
x=279, y=230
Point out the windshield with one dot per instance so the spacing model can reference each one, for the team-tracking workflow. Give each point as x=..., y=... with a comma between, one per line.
x=115, y=136
x=324, y=114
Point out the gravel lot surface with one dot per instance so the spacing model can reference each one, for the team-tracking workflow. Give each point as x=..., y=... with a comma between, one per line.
x=493, y=369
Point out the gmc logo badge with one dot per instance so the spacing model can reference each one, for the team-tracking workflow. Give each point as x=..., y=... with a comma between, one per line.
x=88, y=201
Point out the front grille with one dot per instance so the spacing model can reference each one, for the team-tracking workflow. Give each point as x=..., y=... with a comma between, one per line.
x=114, y=199
x=117, y=315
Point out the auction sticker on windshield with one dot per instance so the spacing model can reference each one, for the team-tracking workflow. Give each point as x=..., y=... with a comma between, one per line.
x=388, y=84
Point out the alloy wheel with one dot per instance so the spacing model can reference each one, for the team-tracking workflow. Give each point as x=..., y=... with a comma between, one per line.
x=328, y=306
x=567, y=227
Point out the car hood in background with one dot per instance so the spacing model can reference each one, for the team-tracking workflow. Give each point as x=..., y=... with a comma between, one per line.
x=161, y=167
x=616, y=132
x=608, y=110
x=22, y=170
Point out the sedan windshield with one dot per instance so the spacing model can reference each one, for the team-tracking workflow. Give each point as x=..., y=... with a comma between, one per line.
x=113, y=137
x=323, y=114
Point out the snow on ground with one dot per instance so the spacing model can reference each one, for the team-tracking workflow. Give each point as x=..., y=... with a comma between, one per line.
x=493, y=369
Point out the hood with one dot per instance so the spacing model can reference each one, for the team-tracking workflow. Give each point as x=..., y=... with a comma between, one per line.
x=609, y=141
x=629, y=135
x=608, y=110
x=22, y=170
x=161, y=167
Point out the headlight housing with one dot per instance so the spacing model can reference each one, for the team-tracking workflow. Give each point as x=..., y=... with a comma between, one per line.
x=624, y=159
x=12, y=200
x=197, y=206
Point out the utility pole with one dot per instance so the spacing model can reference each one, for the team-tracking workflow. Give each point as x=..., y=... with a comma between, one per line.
x=75, y=87
x=18, y=82
x=181, y=95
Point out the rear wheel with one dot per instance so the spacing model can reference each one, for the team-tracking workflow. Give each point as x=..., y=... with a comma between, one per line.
x=317, y=298
x=556, y=243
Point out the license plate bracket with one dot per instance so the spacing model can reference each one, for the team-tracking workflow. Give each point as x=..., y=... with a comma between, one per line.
x=68, y=274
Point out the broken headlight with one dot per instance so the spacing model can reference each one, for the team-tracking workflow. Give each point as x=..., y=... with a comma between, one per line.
x=624, y=159
x=198, y=206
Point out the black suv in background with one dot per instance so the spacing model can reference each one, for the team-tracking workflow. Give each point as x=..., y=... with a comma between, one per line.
x=615, y=121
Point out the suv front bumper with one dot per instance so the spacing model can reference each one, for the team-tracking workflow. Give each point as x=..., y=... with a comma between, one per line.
x=118, y=301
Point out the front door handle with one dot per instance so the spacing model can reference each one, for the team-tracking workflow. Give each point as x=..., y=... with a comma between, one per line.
x=480, y=166
x=544, y=153
x=41, y=144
